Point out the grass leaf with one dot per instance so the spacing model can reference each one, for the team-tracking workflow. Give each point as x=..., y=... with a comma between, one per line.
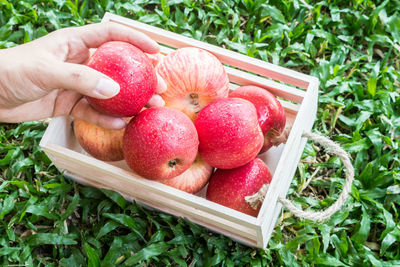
x=51, y=239
x=147, y=253
x=93, y=257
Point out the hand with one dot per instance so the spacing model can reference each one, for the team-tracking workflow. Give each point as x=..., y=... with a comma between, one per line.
x=47, y=77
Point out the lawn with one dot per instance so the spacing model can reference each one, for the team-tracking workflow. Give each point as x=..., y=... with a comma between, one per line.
x=353, y=47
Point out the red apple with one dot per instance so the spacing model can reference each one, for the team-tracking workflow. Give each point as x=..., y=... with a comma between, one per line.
x=230, y=187
x=132, y=70
x=100, y=143
x=160, y=143
x=229, y=133
x=193, y=179
x=194, y=78
x=270, y=112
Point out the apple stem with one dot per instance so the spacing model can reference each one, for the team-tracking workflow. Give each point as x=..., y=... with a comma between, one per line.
x=276, y=139
x=194, y=100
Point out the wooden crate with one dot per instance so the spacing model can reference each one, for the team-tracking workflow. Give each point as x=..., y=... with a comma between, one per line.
x=298, y=94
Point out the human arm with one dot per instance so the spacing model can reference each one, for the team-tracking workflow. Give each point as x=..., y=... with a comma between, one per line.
x=48, y=78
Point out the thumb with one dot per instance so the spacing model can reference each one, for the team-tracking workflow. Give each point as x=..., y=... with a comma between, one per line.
x=82, y=79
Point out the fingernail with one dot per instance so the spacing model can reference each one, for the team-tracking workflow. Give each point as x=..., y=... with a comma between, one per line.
x=161, y=85
x=107, y=88
x=118, y=124
x=156, y=101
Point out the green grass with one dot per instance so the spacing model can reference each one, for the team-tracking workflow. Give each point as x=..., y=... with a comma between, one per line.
x=353, y=47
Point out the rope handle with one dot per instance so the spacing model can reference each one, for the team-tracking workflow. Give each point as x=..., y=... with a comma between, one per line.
x=257, y=198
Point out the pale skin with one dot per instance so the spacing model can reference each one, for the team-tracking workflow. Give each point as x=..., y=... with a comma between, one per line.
x=48, y=77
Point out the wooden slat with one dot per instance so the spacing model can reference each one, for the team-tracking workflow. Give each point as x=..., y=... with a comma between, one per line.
x=268, y=227
x=289, y=107
x=227, y=57
x=278, y=89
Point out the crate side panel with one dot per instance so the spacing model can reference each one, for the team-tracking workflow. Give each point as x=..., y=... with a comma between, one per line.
x=305, y=121
x=308, y=123
x=270, y=216
x=155, y=200
x=244, y=239
x=105, y=171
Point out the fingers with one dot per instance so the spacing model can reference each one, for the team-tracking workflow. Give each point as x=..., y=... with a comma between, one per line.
x=85, y=80
x=94, y=35
x=155, y=58
x=161, y=85
x=64, y=102
x=80, y=78
x=155, y=101
x=82, y=110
